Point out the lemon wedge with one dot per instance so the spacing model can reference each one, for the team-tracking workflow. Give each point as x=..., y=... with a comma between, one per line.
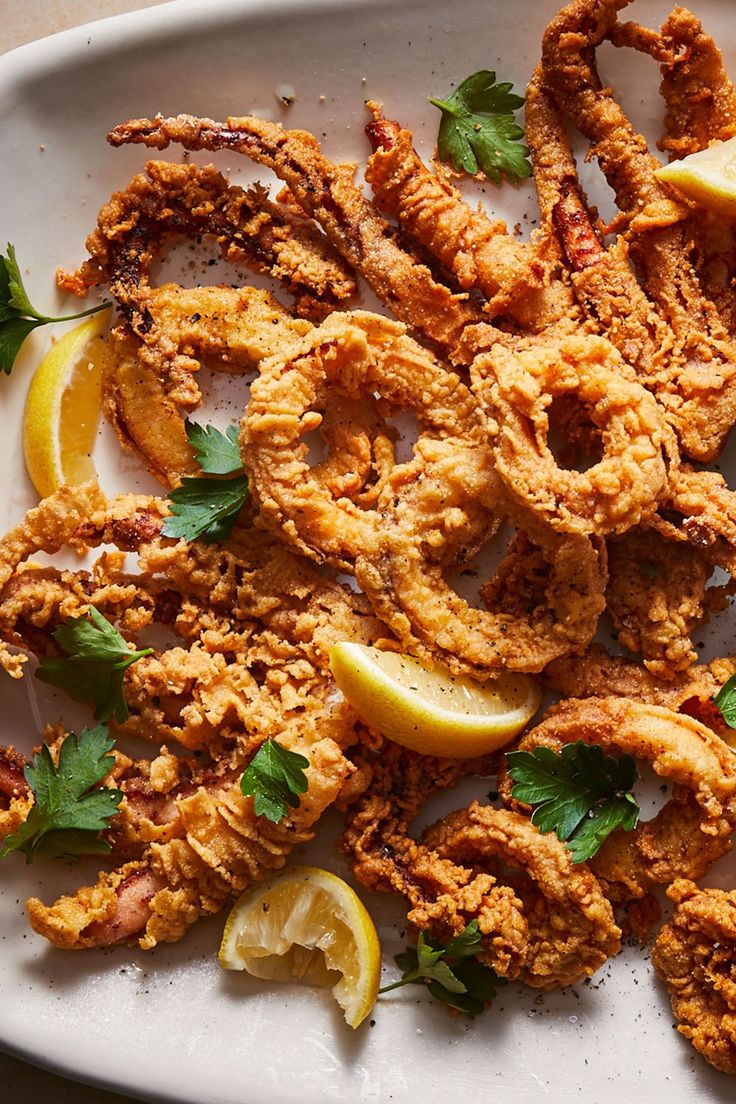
x=708, y=177
x=428, y=709
x=63, y=408
x=307, y=925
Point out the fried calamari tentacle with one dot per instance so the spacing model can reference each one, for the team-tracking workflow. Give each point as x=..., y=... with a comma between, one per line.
x=701, y=109
x=572, y=931
x=443, y=895
x=254, y=625
x=516, y=389
x=134, y=224
x=479, y=252
x=350, y=354
x=604, y=283
x=692, y=830
x=327, y=192
x=657, y=594
x=224, y=848
x=699, y=391
x=694, y=956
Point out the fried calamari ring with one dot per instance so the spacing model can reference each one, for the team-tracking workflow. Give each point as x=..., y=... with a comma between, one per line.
x=350, y=355
x=694, y=955
x=657, y=594
x=692, y=830
x=552, y=608
x=571, y=927
x=516, y=388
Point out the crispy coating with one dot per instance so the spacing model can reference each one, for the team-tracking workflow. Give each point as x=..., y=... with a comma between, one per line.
x=699, y=390
x=571, y=927
x=694, y=954
x=700, y=508
x=548, y=928
x=326, y=192
x=169, y=199
x=604, y=283
x=516, y=388
x=478, y=251
x=223, y=849
x=657, y=595
x=597, y=674
x=353, y=355
x=692, y=830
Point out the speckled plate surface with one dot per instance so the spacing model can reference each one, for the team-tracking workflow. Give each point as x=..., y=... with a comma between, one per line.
x=170, y=1025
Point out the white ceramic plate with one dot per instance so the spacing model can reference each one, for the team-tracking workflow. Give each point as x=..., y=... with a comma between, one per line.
x=171, y=1025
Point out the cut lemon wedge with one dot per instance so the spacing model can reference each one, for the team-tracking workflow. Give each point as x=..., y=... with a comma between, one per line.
x=63, y=408
x=708, y=177
x=428, y=709
x=307, y=925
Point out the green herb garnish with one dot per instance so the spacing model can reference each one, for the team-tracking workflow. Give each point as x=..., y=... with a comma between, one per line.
x=725, y=699
x=451, y=974
x=207, y=509
x=18, y=317
x=92, y=670
x=478, y=131
x=581, y=794
x=68, y=811
x=276, y=777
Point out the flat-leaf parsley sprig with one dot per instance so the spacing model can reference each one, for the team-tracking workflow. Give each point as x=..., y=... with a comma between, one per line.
x=451, y=973
x=581, y=794
x=69, y=810
x=478, y=131
x=275, y=777
x=18, y=317
x=92, y=670
x=207, y=508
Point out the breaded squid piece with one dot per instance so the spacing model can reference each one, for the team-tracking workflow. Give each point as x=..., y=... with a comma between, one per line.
x=223, y=848
x=699, y=391
x=695, y=956
x=135, y=223
x=692, y=830
x=478, y=251
x=326, y=192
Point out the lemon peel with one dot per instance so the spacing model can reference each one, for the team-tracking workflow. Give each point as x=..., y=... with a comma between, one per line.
x=62, y=409
x=307, y=925
x=428, y=709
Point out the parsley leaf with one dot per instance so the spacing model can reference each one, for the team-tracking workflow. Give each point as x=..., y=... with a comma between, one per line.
x=478, y=131
x=582, y=794
x=18, y=317
x=217, y=453
x=450, y=973
x=208, y=508
x=276, y=776
x=68, y=812
x=93, y=668
x=725, y=699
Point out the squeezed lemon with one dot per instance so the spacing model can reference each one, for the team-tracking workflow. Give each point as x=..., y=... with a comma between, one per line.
x=307, y=925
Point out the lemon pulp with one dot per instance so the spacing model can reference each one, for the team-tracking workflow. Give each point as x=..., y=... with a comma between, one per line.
x=307, y=925
x=428, y=709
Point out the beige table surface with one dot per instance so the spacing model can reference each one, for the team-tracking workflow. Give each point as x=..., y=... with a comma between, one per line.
x=23, y=21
